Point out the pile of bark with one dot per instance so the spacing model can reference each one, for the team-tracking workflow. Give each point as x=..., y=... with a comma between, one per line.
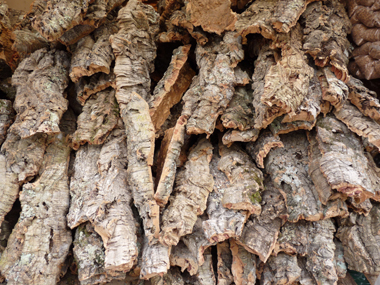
x=186, y=142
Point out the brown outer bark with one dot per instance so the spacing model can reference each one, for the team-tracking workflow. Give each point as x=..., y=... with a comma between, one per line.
x=243, y=265
x=224, y=263
x=6, y=118
x=281, y=269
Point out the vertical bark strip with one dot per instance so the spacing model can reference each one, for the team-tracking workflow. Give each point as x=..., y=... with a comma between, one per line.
x=192, y=187
x=135, y=51
x=40, y=82
x=40, y=241
x=243, y=265
x=281, y=269
x=224, y=263
x=155, y=259
x=6, y=118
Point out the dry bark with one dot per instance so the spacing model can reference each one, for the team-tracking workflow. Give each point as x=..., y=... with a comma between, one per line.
x=137, y=25
x=339, y=262
x=99, y=117
x=182, y=257
x=260, y=233
x=213, y=88
x=93, y=53
x=222, y=223
x=259, y=150
x=224, y=263
x=172, y=277
x=40, y=241
x=88, y=86
x=363, y=208
x=281, y=269
x=100, y=194
x=40, y=81
x=20, y=161
x=6, y=118
x=192, y=187
x=360, y=237
x=364, y=99
x=343, y=162
x=359, y=124
x=326, y=28
x=171, y=87
x=315, y=241
x=270, y=17
x=243, y=265
x=277, y=127
x=232, y=136
x=246, y=180
x=155, y=259
x=206, y=275
x=288, y=169
x=89, y=256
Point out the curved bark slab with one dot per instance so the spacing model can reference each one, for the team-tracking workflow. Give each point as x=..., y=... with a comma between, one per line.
x=277, y=127
x=343, y=162
x=40, y=82
x=259, y=150
x=288, y=169
x=172, y=277
x=315, y=241
x=243, y=265
x=20, y=160
x=88, y=86
x=182, y=257
x=193, y=185
x=359, y=124
x=239, y=113
x=269, y=17
x=213, y=16
x=222, y=223
x=326, y=29
x=40, y=241
x=364, y=99
x=206, y=275
x=170, y=88
x=232, y=136
x=339, y=262
x=363, y=208
x=281, y=269
x=168, y=156
x=101, y=195
x=224, y=263
x=360, y=237
x=260, y=233
x=89, y=255
x=93, y=53
x=334, y=90
x=213, y=88
x=6, y=118
x=245, y=178
x=99, y=117
x=155, y=259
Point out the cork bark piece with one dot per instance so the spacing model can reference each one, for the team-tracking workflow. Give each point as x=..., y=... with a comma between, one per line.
x=281, y=269
x=155, y=259
x=224, y=263
x=243, y=264
x=7, y=115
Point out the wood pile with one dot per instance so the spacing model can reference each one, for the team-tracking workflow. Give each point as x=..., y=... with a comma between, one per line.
x=189, y=142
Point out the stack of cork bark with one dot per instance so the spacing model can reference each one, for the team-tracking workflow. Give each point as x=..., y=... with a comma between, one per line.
x=188, y=142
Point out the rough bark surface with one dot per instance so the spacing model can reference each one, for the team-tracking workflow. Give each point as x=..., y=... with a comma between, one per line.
x=243, y=265
x=192, y=187
x=40, y=82
x=6, y=118
x=213, y=88
x=40, y=241
x=281, y=269
x=155, y=259
x=224, y=263
x=99, y=116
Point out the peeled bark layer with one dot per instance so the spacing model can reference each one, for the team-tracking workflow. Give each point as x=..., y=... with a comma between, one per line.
x=224, y=263
x=155, y=259
x=99, y=116
x=360, y=237
x=40, y=82
x=192, y=187
x=213, y=88
x=40, y=241
x=243, y=265
x=6, y=118
x=281, y=269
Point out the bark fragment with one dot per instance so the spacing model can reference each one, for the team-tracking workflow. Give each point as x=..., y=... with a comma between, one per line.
x=259, y=150
x=260, y=233
x=224, y=263
x=40, y=102
x=281, y=269
x=213, y=88
x=232, y=136
x=182, y=257
x=222, y=223
x=326, y=28
x=40, y=241
x=343, y=162
x=246, y=180
x=243, y=264
x=89, y=255
x=360, y=238
x=171, y=87
x=315, y=241
x=206, y=275
x=192, y=187
x=170, y=152
x=288, y=169
x=99, y=116
x=6, y=118
x=172, y=277
x=155, y=259
x=102, y=196
x=88, y=86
